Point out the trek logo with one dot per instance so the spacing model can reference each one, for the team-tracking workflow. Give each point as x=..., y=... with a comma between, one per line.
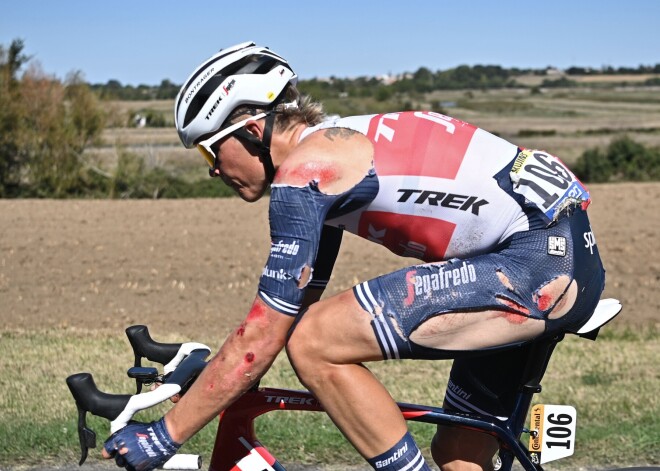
x=285, y=249
x=590, y=240
x=291, y=400
x=226, y=89
x=446, y=200
x=275, y=274
x=213, y=108
x=395, y=456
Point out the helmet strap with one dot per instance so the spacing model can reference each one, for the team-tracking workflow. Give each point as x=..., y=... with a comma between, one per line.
x=263, y=145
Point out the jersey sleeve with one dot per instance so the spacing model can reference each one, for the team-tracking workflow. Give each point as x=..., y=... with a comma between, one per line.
x=303, y=250
x=326, y=256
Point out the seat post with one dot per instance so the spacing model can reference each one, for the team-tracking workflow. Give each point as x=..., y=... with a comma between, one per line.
x=537, y=362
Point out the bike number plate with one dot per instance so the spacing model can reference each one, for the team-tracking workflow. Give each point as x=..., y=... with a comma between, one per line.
x=545, y=181
x=555, y=432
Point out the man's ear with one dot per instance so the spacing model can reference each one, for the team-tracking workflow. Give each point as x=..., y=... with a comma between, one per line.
x=254, y=128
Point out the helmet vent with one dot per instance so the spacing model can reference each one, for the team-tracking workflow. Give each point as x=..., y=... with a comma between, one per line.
x=201, y=97
x=200, y=70
x=254, y=64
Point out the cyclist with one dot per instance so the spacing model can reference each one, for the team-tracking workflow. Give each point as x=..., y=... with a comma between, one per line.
x=508, y=257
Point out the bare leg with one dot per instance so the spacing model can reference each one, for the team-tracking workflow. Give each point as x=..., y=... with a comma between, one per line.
x=326, y=349
x=455, y=449
x=335, y=336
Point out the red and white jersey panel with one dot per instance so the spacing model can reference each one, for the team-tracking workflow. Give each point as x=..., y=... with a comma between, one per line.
x=438, y=197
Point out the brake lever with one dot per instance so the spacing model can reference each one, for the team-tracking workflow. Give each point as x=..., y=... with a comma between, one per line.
x=89, y=399
x=145, y=347
x=183, y=363
x=170, y=355
x=86, y=436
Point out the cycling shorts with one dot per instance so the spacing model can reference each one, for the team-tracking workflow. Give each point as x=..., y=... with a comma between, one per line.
x=487, y=384
x=400, y=301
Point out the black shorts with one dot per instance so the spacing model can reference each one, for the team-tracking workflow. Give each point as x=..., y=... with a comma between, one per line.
x=487, y=384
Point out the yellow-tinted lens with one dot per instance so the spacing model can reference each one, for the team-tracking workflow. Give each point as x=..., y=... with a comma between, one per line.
x=208, y=156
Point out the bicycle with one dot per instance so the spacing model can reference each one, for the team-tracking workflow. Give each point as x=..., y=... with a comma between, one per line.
x=237, y=448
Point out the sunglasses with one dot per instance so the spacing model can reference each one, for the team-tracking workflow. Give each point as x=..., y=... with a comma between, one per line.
x=205, y=146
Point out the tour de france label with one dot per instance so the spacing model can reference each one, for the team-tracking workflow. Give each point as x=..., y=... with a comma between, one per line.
x=545, y=181
x=553, y=432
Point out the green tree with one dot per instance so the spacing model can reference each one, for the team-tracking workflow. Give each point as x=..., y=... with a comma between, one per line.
x=45, y=127
x=12, y=60
x=623, y=160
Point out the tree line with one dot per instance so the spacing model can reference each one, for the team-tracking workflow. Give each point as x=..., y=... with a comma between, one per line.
x=423, y=80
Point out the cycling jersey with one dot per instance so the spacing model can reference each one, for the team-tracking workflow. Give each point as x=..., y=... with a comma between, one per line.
x=438, y=198
x=439, y=188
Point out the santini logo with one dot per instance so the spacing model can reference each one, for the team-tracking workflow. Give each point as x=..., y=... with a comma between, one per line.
x=446, y=200
x=557, y=246
x=395, y=456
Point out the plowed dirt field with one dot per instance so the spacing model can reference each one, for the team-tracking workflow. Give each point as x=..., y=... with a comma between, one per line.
x=192, y=266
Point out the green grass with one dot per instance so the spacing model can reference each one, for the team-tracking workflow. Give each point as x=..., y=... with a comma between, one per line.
x=613, y=383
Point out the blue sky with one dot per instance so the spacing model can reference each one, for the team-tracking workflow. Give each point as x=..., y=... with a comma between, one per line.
x=148, y=41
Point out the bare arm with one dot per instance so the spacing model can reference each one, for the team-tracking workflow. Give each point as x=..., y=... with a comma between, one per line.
x=245, y=356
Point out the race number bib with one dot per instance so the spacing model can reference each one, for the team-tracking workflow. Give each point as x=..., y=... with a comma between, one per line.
x=546, y=182
x=554, y=432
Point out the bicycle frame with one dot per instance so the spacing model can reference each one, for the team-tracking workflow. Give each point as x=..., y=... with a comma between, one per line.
x=237, y=447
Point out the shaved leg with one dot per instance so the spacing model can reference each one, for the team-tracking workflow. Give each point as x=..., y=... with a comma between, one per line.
x=476, y=330
x=456, y=449
x=326, y=349
x=335, y=335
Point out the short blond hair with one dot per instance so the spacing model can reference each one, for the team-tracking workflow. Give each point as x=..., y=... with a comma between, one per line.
x=305, y=111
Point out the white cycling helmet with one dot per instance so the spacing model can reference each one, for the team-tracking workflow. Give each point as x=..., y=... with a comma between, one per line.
x=245, y=74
